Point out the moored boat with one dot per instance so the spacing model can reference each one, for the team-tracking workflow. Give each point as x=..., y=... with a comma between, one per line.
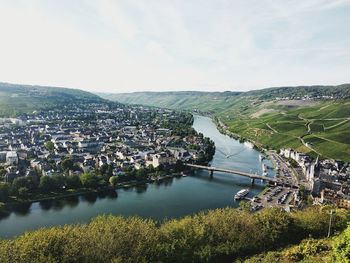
x=248, y=144
x=241, y=193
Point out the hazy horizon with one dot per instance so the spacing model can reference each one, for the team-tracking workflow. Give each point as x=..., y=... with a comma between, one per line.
x=132, y=46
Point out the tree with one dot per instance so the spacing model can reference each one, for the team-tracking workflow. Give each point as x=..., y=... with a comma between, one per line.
x=73, y=182
x=141, y=174
x=19, y=182
x=67, y=164
x=49, y=146
x=113, y=180
x=2, y=172
x=103, y=168
x=89, y=180
x=4, y=191
x=59, y=181
x=110, y=170
x=46, y=183
x=23, y=192
x=151, y=168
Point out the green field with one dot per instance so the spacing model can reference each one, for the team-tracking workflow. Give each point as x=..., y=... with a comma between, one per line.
x=329, y=134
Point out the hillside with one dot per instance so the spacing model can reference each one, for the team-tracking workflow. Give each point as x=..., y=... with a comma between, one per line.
x=320, y=128
x=310, y=250
x=272, y=118
x=204, y=101
x=220, y=101
x=16, y=99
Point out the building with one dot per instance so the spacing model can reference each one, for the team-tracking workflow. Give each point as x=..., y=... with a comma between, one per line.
x=11, y=158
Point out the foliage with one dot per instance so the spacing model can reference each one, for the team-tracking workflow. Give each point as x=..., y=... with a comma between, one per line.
x=46, y=183
x=49, y=146
x=4, y=192
x=341, y=249
x=89, y=180
x=113, y=180
x=22, y=182
x=73, y=182
x=336, y=249
x=67, y=164
x=221, y=235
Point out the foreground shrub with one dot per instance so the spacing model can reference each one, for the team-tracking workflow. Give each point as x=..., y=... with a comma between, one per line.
x=221, y=235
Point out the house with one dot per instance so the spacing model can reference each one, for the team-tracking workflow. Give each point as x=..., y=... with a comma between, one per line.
x=11, y=158
x=162, y=159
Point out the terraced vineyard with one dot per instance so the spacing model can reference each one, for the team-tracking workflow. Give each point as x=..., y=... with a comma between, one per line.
x=322, y=129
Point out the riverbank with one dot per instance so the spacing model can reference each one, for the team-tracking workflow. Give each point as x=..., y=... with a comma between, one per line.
x=6, y=208
x=222, y=128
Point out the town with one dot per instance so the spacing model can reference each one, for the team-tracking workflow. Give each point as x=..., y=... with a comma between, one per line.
x=304, y=181
x=327, y=180
x=100, y=144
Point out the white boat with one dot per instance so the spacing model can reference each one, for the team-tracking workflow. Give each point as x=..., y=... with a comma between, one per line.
x=248, y=144
x=241, y=193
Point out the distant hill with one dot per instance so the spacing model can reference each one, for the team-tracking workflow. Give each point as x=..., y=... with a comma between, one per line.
x=271, y=118
x=220, y=101
x=16, y=99
x=338, y=92
x=205, y=101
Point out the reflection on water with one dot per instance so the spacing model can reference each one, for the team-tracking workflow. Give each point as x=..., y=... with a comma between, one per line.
x=21, y=209
x=112, y=194
x=167, y=198
x=71, y=201
x=46, y=204
x=90, y=197
x=140, y=189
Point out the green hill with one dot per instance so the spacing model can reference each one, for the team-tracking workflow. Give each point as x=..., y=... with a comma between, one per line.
x=16, y=99
x=272, y=118
x=216, y=102
x=204, y=101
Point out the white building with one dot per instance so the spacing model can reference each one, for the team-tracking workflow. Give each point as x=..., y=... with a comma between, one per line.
x=11, y=158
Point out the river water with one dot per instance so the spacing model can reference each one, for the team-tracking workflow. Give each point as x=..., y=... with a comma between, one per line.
x=169, y=199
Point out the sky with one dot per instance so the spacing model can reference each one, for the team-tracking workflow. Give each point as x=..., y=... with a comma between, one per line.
x=161, y=45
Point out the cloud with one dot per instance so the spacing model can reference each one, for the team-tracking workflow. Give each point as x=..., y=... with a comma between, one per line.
x=130, y=45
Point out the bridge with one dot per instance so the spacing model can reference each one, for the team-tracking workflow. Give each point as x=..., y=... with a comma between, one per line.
x=253, y=177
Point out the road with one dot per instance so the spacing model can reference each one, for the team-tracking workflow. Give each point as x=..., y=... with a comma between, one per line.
x=284, y=172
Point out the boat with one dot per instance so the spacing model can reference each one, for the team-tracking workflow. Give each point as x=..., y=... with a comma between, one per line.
x=261, y=157
x=241, y=193
x=248, y=144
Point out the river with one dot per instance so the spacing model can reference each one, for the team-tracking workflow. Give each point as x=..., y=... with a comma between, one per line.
x=170, y=199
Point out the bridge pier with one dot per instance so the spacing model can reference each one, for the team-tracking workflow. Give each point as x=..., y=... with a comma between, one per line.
x=211, y=173
x=253, y=181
